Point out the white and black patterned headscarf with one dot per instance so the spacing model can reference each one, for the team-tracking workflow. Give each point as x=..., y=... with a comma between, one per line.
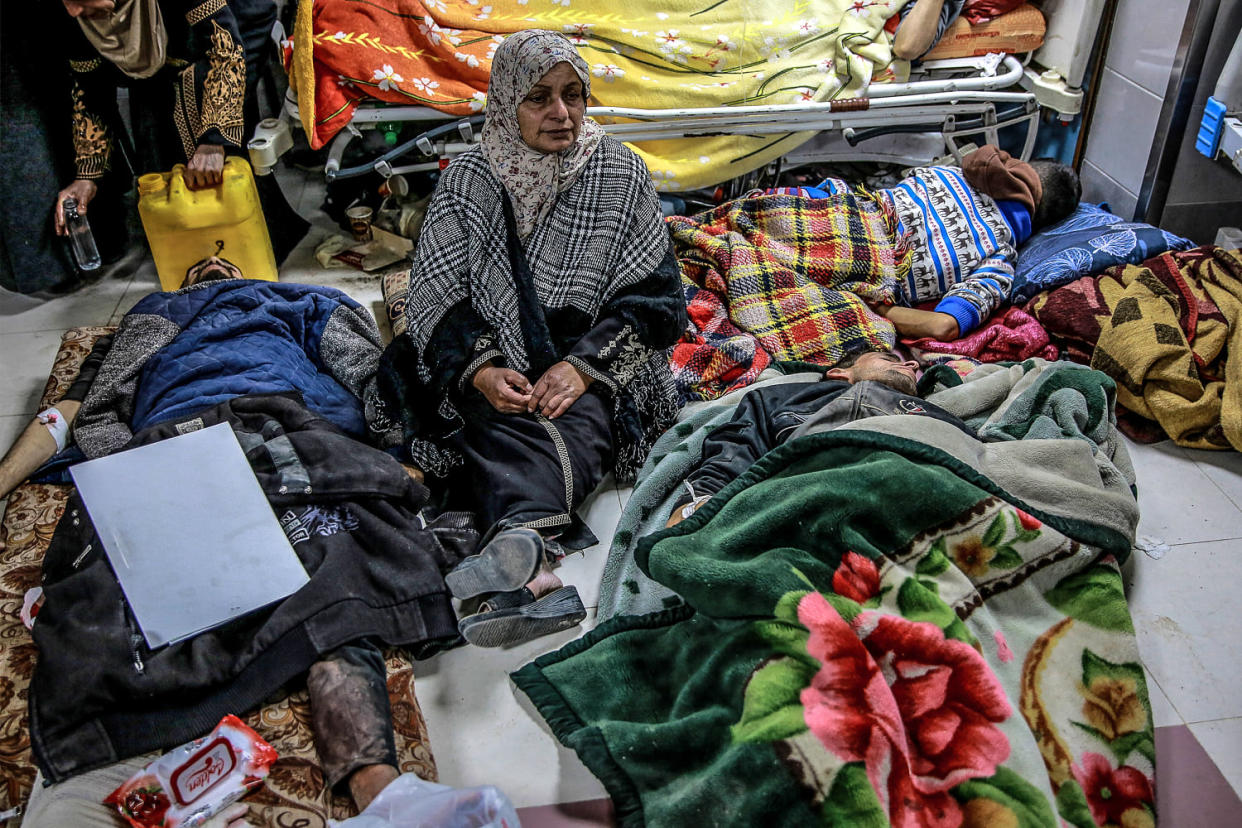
x=532, y=178
x=590, y=231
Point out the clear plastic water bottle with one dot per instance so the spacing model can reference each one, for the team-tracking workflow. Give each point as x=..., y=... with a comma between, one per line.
x=80, y=237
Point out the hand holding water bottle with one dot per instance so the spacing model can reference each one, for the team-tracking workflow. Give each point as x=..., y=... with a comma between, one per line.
x=71, y=221
x=82, y=190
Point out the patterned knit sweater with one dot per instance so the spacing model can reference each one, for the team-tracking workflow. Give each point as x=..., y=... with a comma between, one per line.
x=963, y=241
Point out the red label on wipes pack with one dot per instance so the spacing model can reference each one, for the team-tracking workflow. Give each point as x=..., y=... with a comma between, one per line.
x=209, y=766
x=193, y=781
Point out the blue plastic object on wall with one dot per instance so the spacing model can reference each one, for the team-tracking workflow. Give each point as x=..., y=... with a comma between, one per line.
x=1211, y=128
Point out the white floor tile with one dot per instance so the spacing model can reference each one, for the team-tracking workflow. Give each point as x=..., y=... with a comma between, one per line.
x=90, y=305
x=1163, y=713
x=1223, y=742
x=24, y=369
x=145, y=282
x=1178, y=501
x=313, y=193
x=1224, y=468
x=292, y=183
x=12, y=304
x=1187, y=615
x=485, y=732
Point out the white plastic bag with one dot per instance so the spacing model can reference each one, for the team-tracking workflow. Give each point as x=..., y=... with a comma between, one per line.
x=410, y=802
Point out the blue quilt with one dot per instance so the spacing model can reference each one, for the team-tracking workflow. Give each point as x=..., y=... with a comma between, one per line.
x=241, y=336
x=1090, y=241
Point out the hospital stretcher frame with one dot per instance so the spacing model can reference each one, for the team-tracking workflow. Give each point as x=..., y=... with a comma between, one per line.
x=945, y=101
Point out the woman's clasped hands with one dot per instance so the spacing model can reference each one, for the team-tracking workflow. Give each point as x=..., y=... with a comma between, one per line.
x=509, y=392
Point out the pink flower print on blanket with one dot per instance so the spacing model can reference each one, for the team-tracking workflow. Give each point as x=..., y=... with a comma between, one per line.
x=919, y=710
x=857, y=578
x=1117, y=796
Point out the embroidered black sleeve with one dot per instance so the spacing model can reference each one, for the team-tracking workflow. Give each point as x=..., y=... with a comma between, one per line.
x=92, y=142
x=210, y=92
x=425, y=409
x=484, y=352
x=648, y=316
x=453, y=347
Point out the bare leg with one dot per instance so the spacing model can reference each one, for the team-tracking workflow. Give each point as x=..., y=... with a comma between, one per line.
x=33, y=447
x=545, y=581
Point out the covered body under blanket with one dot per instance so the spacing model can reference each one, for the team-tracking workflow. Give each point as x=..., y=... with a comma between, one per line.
x=781, y=277
x=890, y=622
x=351, y=513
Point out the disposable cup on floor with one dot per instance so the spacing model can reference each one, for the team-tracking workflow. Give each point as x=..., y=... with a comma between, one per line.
x=395, y=185
x=359, y=222
x=1229, y=238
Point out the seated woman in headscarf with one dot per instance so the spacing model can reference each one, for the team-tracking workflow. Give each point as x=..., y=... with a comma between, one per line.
x=542, y=296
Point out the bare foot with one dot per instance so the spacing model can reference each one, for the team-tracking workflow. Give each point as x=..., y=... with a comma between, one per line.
x=544, y=581
x=366, y=783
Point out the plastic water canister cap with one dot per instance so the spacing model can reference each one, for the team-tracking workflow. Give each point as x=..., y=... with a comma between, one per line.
x=151, y=183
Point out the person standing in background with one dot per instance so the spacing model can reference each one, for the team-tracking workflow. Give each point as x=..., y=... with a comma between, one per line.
x=192, y=67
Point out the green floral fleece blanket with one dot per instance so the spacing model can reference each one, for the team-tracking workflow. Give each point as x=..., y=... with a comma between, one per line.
x=878, y=631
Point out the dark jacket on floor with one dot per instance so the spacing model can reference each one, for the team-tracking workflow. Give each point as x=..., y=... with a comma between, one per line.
x=99, y=694
x=767, y=417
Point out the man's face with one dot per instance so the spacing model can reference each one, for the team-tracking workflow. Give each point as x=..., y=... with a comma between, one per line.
x=886, y=368
x=211, y=269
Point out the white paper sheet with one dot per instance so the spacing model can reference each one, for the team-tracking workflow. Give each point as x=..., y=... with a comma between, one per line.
x=189, y=533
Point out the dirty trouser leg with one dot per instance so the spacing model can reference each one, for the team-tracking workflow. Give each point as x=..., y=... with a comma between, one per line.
x=349, y=712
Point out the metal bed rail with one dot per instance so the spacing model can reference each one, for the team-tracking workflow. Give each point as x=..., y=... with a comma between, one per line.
x=952, y=105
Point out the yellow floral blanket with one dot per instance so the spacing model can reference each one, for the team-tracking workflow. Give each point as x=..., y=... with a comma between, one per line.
x=695, y=53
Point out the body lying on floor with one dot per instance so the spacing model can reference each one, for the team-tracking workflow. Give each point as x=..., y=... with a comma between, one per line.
x=962, y=228
x=306, y=357
x=871, y=384
x=893, y=620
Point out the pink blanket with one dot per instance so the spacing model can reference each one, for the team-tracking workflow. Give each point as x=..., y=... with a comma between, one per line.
x=1013, y=335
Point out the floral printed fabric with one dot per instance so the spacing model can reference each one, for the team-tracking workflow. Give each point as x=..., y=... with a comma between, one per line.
x=701, y=53
x=904, y=694
x=532, y=178
x=848, y=654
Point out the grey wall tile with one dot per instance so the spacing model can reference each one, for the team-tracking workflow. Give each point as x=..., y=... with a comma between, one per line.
x=1097, y=186
x=1144, y=41
x=1122, y=129
x=1197, y=178
x=1199, y=222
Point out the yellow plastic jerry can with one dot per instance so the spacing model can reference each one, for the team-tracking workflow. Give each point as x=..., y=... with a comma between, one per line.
x=185, y=226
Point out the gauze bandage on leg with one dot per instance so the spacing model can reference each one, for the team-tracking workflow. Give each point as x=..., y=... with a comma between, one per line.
x=57, y=425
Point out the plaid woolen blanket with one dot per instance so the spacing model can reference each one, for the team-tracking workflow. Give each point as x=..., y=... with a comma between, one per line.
x=781, y=277
x=1164, y=330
